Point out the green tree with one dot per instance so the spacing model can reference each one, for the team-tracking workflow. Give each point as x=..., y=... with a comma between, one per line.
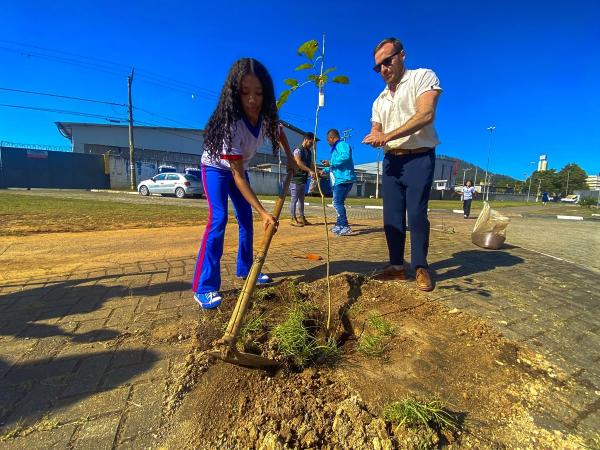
x=576, y=179
x=548, y=182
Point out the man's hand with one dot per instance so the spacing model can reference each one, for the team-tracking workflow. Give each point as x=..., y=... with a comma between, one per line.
x=312, y=174
x=375, y=139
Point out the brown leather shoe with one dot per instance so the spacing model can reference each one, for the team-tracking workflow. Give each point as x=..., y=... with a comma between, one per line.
x=392, y=274
x=424, y=282
x=305, y=222
x=295, y=223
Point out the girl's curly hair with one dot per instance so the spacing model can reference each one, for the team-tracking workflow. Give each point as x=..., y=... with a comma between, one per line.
x=229, y=109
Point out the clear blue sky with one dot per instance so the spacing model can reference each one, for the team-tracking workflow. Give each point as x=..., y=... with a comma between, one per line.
x=531, y=68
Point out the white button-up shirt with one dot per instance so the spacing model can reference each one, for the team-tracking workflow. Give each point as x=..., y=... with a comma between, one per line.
x=393, y=112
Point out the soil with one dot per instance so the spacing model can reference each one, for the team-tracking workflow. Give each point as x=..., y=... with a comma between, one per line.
x=489, y=384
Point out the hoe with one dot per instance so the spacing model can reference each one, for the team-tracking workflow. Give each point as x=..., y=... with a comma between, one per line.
x=225, y=348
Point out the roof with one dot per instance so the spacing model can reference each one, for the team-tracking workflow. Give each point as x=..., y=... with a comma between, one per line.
x=66, y=128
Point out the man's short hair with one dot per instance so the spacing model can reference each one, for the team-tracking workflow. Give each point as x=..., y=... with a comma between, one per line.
x=333, y=132
x=390, y=40
x=309, y=135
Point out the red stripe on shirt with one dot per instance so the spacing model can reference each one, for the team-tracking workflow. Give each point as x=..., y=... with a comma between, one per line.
x=232, y=157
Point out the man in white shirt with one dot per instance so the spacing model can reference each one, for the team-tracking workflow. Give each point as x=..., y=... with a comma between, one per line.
x=402, y=123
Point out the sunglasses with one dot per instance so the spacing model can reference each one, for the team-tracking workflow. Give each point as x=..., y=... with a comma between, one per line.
x=387, y=62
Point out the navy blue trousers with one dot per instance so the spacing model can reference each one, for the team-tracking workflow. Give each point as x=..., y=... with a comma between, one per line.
x=406, y=184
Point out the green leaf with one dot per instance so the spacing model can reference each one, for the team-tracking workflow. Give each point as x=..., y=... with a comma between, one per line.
x=309, y=48
x=342, y=79
x=291, y=82
x=314, y=78
x=283, y=98
x=304, y=66
x=331, y=69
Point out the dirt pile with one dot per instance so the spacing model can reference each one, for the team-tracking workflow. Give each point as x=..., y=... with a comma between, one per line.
x=490, y=385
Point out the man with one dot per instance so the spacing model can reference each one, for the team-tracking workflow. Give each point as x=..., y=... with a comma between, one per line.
x=402, y=123
x=341, y=173
x=303, y=157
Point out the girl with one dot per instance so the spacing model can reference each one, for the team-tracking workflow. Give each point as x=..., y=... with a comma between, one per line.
x=245, y=115
x=468, y=194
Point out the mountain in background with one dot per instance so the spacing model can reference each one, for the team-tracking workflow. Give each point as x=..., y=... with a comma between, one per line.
x=498, y=180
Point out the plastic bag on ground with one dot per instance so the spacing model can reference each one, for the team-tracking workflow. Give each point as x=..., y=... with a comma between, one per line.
x=490, y=229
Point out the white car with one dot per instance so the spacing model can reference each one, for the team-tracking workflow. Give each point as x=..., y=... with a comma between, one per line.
x=177, y=184
x=570, y=199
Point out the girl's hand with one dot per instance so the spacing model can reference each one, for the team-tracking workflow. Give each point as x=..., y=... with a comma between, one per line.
x=268, y=219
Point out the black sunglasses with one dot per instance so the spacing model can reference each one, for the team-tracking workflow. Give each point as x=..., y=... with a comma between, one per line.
x=387, y=62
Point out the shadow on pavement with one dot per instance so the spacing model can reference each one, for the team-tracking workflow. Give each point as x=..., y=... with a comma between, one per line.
x=28, y=309
x=50, y=387
x=32, y=380
x=469, y=262
x=318, y=272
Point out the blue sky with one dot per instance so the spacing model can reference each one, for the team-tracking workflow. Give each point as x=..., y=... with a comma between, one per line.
x=531, y=68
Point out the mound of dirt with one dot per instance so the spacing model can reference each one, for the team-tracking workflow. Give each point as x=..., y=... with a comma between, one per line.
x=490, y=385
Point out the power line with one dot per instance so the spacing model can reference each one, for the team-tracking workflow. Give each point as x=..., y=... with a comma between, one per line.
x=64, y=111
x=63, y=96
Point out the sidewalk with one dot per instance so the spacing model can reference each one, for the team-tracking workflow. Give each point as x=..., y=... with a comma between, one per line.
x=86, y=350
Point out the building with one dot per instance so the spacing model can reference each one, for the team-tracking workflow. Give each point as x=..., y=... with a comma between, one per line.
x=444, y=176
x=593, y=182
x=542, y=163
x=154, y=146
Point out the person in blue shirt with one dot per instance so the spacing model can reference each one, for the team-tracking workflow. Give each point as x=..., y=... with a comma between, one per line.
x=340, y=168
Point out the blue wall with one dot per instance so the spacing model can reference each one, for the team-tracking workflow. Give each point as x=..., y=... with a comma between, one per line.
x=27, y=168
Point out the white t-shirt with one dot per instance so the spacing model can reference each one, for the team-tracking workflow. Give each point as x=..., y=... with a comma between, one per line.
x=393, y=112
x=468, y=192
x=245, y=141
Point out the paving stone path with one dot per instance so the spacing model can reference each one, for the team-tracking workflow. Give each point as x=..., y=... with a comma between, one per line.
x=85, y=355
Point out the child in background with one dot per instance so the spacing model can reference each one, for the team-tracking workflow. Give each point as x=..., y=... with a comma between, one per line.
x=245, y=115
x=468, y=194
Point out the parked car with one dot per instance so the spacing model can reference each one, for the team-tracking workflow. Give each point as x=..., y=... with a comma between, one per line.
x=573, y=198
x=177, y=184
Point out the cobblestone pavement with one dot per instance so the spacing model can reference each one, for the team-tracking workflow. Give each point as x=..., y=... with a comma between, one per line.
x=85, y=355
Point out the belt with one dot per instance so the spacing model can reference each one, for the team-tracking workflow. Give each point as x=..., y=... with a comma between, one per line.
x=405, y=151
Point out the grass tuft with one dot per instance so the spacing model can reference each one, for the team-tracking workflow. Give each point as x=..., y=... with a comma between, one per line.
x=383, y=326
x=431, y=414
x=594, y=442
x=296, y=338
x=372, y=345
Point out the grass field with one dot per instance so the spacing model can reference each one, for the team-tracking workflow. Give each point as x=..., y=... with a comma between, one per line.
x=27, y=214
x=433, y=204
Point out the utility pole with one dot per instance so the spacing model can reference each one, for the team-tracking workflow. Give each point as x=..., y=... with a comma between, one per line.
x=529, y=190
x=568, y=173
x=131, y=144
x=487, y=166
x=464, y=173
x=538, y=192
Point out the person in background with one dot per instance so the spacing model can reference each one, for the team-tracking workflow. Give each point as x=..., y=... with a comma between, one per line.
x=467, y=195
x=304, y=159
x=545, y=198
x=340, y=168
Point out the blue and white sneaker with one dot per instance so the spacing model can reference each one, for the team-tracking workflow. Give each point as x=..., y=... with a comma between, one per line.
x=335, y=229
x=208, y=300
x=261, y=279
x=344, y=231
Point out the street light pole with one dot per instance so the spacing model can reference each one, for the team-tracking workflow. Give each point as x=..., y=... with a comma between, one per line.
x=568, y=173
x=487, y=165
x=464, y=173
x=529, y=190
